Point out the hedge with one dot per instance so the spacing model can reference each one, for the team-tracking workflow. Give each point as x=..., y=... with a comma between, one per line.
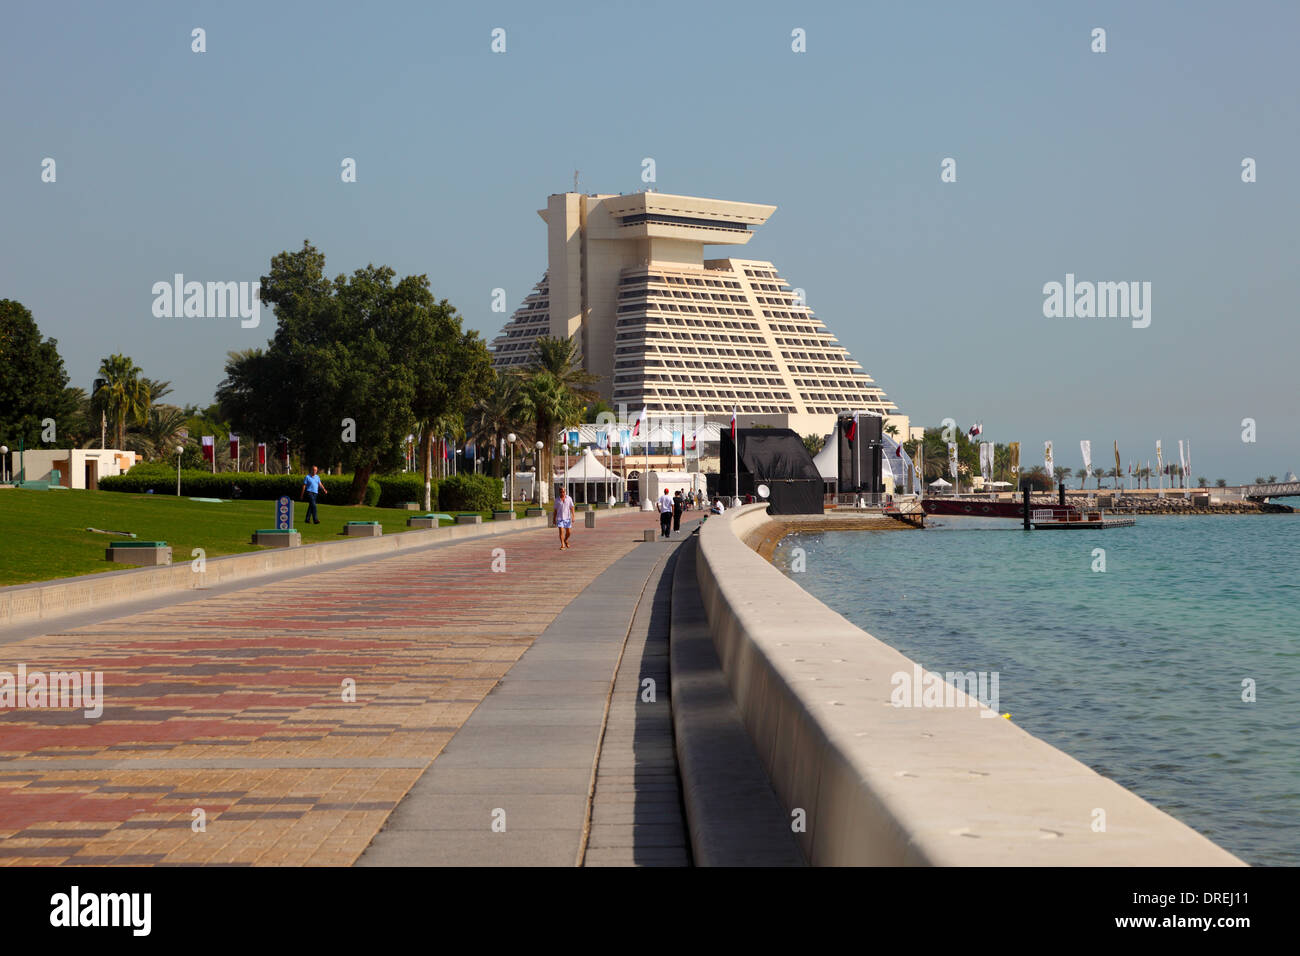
x=404, y=486
x=196, y=483
x=469, y=493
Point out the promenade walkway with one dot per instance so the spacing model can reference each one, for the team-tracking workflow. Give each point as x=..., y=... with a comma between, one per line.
x=229, y=734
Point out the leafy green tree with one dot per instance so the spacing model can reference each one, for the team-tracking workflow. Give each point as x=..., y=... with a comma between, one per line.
x=359, y=363
x=451, y=368
x=33, y=381
x=1221, y=482
x=814, y=443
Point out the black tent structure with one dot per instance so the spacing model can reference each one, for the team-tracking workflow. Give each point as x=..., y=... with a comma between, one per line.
x=775, y=457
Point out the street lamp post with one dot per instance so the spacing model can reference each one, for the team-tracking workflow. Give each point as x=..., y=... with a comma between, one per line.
x=180, y=450
x=537, y=471
x=4, y=462
x=511, y=438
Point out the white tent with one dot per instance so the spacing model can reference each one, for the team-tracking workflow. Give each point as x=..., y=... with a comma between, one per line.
x=940, y=483
x=594, y=481
x=828, y=459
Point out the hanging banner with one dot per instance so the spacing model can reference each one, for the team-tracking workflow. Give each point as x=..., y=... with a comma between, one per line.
x=952, y=458
x=261, y=453
x=916, y=468
x=1013, y=459
x=1160, y=458
x=1085, y=446
x=625, y=441
x=1051, y=466
x=234, y=450
x=1119, y=469
x=986, y=460
x=678, y=447
x=209, y=447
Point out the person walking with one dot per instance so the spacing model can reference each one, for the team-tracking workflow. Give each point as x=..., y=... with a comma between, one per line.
x=563, y=517
x=665, y=514
x=313, y=486
x=678, y=504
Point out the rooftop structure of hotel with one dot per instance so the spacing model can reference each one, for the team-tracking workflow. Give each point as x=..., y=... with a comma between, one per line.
x=667, y=329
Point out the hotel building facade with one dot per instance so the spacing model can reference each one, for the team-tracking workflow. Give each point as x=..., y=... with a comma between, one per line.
x=667, y=329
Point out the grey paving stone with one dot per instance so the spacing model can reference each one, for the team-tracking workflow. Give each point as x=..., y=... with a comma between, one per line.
x=638, y=835
x=472, y=848
x=477, y=811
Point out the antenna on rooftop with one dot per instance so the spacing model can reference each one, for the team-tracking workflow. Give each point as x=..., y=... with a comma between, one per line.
x=575, y=180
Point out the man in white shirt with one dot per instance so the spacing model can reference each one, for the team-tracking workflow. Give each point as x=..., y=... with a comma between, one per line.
x=718, y=506
x=564, y=517
x=665, y=504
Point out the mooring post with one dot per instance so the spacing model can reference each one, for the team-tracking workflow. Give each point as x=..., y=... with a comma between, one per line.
x=1024, y=488
x=1061, y=493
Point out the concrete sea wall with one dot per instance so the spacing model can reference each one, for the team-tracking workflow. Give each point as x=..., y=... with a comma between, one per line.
x=914, y=785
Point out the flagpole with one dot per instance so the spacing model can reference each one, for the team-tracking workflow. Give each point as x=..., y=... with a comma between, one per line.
x=735, y=448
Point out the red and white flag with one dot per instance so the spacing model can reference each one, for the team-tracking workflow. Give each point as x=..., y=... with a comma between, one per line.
x=853, y=428
x=636, y=429
x=208, y=447
x=234, y=449
x=261, y=453
x=733, y=423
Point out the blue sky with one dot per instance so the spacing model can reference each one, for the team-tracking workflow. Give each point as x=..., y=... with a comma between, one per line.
x=1122, y=166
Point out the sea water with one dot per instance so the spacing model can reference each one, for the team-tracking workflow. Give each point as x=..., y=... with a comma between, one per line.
x=1175, y=671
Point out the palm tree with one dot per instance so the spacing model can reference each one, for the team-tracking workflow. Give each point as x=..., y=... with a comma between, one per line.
x=1221, y=482
x=158, y=435
x=544, y=401
x=553, y=387
x=157, y=388
x=494, y=416
x=124, y=396
x=1061, y=473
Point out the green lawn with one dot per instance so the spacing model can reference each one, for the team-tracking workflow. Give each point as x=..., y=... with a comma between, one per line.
x=43, y=533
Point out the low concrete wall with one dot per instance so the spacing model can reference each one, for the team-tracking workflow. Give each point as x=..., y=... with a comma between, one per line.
x=28, y=602
x=884, y=785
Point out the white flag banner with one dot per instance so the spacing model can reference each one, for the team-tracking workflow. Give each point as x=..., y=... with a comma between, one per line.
x=1047, y=458
x=986, y=460
x=1085, y=446
x=1160, y=458
x=1182, y=458
x=952, y=458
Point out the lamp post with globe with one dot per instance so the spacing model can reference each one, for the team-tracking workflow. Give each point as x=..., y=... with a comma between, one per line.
x=537, y=472
x=180, y=450
x=4, y=462
x=511, y=439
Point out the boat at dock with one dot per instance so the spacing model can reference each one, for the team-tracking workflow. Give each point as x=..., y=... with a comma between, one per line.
x=1043, y=519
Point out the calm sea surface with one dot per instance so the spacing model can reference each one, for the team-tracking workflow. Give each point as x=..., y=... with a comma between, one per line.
x=1137, y=671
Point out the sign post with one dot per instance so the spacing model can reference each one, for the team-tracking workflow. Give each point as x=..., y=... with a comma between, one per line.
x=284, y=513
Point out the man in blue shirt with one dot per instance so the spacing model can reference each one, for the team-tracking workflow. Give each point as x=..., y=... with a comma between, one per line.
x=313, y=486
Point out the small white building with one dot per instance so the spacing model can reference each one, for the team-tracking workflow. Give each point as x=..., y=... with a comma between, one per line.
x=79, y=468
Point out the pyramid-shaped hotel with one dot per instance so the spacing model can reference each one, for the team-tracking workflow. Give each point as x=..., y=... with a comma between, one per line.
x=667, y=329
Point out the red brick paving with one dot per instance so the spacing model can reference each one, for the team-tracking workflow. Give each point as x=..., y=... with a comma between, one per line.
x=220, y=697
